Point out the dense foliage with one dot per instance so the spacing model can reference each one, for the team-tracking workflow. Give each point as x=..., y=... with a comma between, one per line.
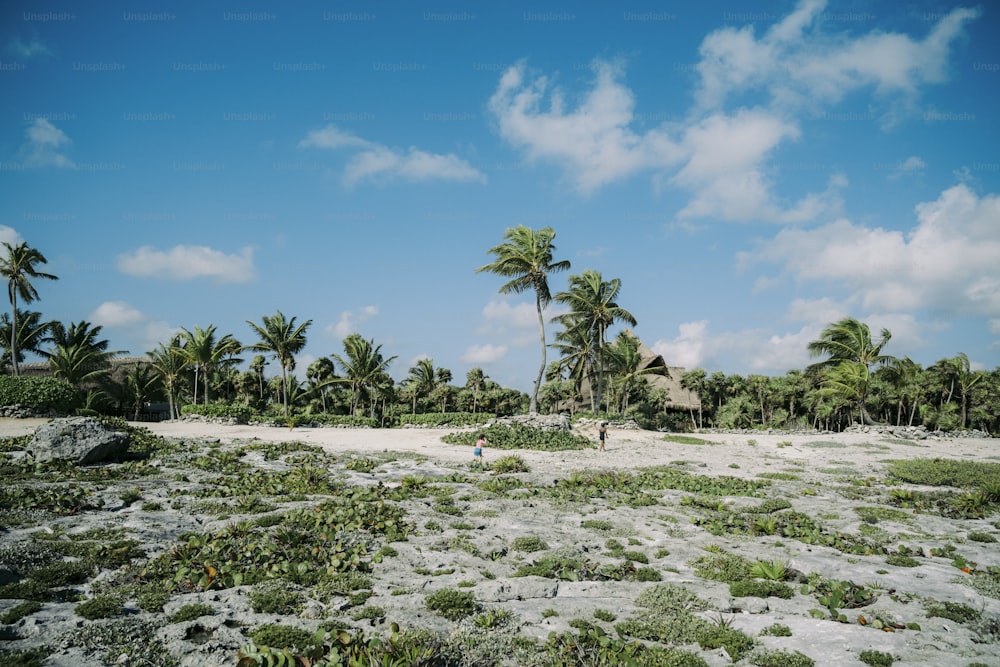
x=41, y=393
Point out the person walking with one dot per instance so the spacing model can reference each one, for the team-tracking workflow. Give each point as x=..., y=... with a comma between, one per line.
x=602, y=433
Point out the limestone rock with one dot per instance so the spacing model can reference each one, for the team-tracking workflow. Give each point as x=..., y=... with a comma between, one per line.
x=83, y=440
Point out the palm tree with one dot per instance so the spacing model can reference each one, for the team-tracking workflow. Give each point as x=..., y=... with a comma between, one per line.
x=320, y=375
x=78, y=355
x=283, y=339
x=362, y=366
x=169, y=363
x=474, y=381
x=576, y=347
x=18, y=267
x=849, y=343
x=31, y=335
x=593, y=309
x=257, y=368
x=626, y=362
x=422, y=380
x=696, y=380
x=526, y=258
x=442, y=389
x=206, y=353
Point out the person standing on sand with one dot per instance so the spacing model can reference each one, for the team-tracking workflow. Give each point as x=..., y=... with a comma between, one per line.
x=477, y=453
x=602, y=433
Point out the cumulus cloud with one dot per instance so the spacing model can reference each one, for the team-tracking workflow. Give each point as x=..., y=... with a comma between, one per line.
x=798, y=64
x=188, y=262
x=44, y=146
x=687, y=349
x=947, y=263
x=10, y=235
x=759, y=350
x=911, y=165
x=116, y=314
x=484, y=354
x=375, y=161
x=517, y=316
x=592, y=142
x=144, y=332
x=349, y=321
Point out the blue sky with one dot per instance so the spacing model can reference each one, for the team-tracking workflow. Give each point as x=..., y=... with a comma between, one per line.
x=751, y=172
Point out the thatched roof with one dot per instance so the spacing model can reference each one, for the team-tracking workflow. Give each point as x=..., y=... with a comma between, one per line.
x=670, y=381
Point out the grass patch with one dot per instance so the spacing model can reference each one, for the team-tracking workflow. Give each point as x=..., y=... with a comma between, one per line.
x=687, y=440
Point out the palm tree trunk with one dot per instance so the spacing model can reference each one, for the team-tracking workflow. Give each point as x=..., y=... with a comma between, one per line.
x=13, y=329
x=533, y=403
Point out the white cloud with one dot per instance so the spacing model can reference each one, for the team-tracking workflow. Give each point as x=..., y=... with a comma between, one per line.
x=947, y=263
x=140, y=328
x=10, y=235
x=799, y=65
x=822, y=310
x=911, y=165
x=116, y=314
x=507, y=315
x=333, y=138
x=413, y=165
x=29, y=50
x=484, y=354
x=687, y=349
x=377, y=161
x=592, y=142
x=349, y=321
x=44, y=146
x=187, y=262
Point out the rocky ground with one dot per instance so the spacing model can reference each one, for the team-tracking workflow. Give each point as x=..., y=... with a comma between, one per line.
x=924, y=578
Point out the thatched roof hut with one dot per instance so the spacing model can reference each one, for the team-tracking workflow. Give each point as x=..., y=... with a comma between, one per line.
x=669, y=381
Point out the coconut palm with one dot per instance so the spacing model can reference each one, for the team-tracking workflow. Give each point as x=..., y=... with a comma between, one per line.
x=696, y=380
x=320, y=375
x=593, y=309
x=78, y=355
x=18, y=267
x=170, y=361
x=576, y=347
x=283, y=339
x=207, y=353
x=362, y=365
x=849, y=343
x=625, y=361
x=526, y=258
x=31, y=335
x=475, y=378
x=421, y=381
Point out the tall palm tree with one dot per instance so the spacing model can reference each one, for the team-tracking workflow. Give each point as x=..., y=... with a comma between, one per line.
x=594, y=309
x=849, y=344
x=78, y=355
x=422, y=380
x=362, y=366
x=696, y=380
x=31, y=335
x=207, y=353
x=18, y=267
x=475, y=378
x=283, y=339
x=526, y=258
x=577, y=349
x=170, y=361
x=320, y=375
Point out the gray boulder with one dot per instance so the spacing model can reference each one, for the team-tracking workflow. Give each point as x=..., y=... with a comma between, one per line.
x=83, y=440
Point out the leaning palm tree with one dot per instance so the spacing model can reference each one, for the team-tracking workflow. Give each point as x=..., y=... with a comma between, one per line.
x=593, y=309
x=18, y=267
x=169, y=363
x=526, y=258
x=474, y=381
x=849, y=343
x=625, y=360
x=576, y=348
x=31, y=336
x=78, y=355
x=283, y=339
x=363, y=366
x=207, y=353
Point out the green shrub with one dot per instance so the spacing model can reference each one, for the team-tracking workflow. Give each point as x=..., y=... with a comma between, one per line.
x=102, y=606
x=953, y=611
x=452, y=604
x=721, y=635
x=776, y=630
x=779, y=658
x=63, y=573
x=276, y=597
x=240, y=413
x=509, y=464
x=42, y=393
x=454, y=419
x=529, y=544
x=520, y=436
x=17, y=612
x=190, y=612
x=760, y=589
x=876, y=658
x=283, y=636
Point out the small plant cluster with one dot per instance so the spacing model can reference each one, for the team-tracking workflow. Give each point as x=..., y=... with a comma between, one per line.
x=745, y=578
x=521, y=436
x=979, y=480
x=446, y=419
x=572, y=567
